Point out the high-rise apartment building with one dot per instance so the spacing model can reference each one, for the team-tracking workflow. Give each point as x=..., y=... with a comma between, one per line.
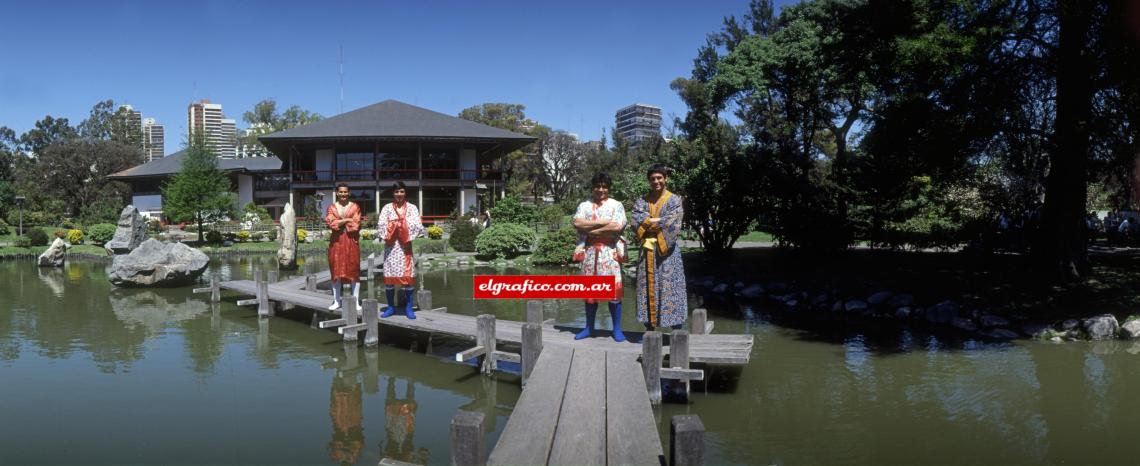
x=154, y=139
x=638, y=122
x=207, y=118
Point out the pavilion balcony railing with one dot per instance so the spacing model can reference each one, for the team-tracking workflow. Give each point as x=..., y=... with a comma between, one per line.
x=333, y=176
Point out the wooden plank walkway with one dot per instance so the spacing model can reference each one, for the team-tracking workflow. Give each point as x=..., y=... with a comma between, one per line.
x=581, y=406
x=714, y=348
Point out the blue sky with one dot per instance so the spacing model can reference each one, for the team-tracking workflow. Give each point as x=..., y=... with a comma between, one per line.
x=573, y=64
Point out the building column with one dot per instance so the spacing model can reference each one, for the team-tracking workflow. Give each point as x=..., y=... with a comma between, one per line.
x=420, y=173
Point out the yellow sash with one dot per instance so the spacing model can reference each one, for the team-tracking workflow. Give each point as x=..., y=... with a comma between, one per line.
x=650, y=245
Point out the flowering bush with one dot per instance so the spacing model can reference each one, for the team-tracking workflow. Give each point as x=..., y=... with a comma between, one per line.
x=302, y=234
x=75, y=236
x=434, y=232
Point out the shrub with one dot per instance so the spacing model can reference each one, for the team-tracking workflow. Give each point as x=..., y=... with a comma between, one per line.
x=511, y=210
x=242, y=236
x=75, y=236
x=4, y=229
x=434, y=247
x=463, y=235
x=31, y=217
x=271, y=234
x=37, y=237
x=101, y=233
x=556, y=248
x=154, y=225
x=302, y=234
x=253, y=212
x=366, y=235
x=23, y=242
x=504, y=240
x=214, y=237
x=434, y=232
x=551, y=215
x=67, y=224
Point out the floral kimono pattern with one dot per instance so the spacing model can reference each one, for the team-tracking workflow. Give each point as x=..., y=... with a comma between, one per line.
x=603, y=255
x=397, y=227
x=661, y=297
x=344, y=244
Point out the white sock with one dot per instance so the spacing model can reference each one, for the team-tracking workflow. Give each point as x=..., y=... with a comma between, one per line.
x=336, y=291
x=356, y=290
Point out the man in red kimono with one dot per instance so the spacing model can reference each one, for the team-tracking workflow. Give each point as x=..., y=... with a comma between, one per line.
x=343, y=218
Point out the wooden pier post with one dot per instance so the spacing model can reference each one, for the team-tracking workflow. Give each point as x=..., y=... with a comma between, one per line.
x=485, y=337
x=348, y=311
x=371, y=323
x=215, y=289
x=534, y=312
x=424, y=298
x=263, y=309
x=531, y=348
x=371, y=268
x=271, y=275
x=467, y=439
x=310, y=283
x=686, y=440
x=699, y=320
x=679, y=357
x=651, y=365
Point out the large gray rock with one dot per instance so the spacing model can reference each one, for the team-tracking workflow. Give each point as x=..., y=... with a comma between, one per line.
x=990, y=321
x=901, y=300
x=964, y=324
x=942, y=313
x=287, y=254
x=159, y=265
x=855, y=305
x=54, y=255
x=1102, y=327
x=1130, y=330
x=879, y=298
x=131, y=232
x=753, y=291
x=999, y=334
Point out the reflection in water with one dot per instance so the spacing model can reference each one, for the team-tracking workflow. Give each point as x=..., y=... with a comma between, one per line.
x=400, y=424
x=53, y=278
x=346, y=410
x=151, y=310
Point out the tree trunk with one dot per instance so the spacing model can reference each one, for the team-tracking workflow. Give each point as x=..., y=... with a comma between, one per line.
x=1064, y=241
x=200, y=237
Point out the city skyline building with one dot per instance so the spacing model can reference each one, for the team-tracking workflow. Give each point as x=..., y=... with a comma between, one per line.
x=154, y=139
x=207, y=118
x=638, y=122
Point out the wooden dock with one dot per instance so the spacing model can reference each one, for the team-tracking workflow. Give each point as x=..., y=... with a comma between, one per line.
x=581, y=406
x=583, y=402
x=704, y=348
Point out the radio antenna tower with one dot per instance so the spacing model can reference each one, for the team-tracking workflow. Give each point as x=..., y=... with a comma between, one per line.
x=340, y=65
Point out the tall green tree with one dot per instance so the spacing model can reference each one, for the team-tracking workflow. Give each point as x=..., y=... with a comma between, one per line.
x=264, y=119
x=46, y=131
x=520, y=172
x=75, y=172
x=200, y=192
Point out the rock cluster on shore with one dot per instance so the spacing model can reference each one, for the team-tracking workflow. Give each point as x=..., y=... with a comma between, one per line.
x=947, y=313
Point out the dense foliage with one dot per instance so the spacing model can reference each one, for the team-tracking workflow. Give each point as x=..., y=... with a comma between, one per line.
x=511, y=210
x=504, y=240
x=556, y=248
x=463, y=235
x=434, y=232
x=100, y=233
x=200, y=192
x=37, y=237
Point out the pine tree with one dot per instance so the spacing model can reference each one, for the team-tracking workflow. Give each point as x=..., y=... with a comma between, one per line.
x=200, y=192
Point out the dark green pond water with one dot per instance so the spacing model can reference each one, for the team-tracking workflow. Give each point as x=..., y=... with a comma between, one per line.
x=95, y=375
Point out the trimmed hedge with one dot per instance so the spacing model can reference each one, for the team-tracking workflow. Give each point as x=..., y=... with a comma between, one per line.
x=504, y=240
x=556, y=248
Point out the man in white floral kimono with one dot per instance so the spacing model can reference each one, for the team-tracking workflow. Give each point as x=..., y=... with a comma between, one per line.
x=600, y=250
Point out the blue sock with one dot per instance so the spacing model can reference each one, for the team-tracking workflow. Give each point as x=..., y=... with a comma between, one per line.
x=615, y=314
x=390, y=293
x=408, y=291
x=591, y=312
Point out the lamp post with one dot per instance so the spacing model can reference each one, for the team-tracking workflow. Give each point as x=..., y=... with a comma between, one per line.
x=20, y=203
